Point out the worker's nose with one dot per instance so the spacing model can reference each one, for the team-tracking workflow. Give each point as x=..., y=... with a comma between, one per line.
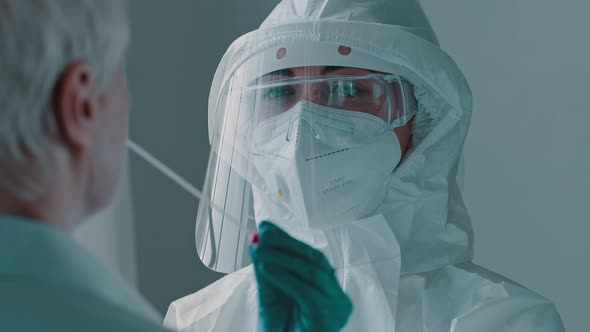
x=316, y=93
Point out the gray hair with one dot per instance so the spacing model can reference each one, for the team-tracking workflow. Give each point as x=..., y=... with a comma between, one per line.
x=38, y=40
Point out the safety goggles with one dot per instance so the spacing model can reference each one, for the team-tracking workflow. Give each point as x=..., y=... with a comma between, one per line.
x=384, y=96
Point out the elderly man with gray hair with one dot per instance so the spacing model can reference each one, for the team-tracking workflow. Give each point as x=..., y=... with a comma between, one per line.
x=63, y=127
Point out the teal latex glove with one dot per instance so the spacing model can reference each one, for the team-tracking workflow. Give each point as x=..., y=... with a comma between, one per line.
x=297, y=288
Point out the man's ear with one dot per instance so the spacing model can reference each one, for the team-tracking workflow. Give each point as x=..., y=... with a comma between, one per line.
x=74, y=106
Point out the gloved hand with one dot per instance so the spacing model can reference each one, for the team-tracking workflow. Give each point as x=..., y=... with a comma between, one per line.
x=297, y=288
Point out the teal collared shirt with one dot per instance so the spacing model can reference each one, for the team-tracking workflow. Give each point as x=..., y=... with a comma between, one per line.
x=49, y=283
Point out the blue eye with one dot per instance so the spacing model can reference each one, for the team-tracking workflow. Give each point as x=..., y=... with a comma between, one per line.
x=276, y=93
x=345, y=89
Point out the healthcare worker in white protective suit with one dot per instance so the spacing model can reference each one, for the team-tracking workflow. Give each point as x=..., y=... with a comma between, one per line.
x=342, y=121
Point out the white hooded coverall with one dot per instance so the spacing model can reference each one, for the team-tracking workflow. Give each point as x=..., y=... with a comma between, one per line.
x=408, y=268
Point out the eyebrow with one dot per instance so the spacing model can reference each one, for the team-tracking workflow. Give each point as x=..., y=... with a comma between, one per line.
x=289, y=73
x=280, y=72
x=330, y=69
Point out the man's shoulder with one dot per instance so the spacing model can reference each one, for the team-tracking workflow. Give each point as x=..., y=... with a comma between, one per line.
x=27, y=305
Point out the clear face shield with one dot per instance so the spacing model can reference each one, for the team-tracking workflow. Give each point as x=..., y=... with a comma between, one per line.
x=284, y=148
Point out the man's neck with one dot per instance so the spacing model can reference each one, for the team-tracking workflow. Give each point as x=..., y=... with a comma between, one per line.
x=51, y=209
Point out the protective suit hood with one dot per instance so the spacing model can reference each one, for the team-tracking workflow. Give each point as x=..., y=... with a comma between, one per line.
x=423, y=207
x=406, y=15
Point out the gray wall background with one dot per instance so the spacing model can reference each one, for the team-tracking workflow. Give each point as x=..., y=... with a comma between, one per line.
x=526, y=160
